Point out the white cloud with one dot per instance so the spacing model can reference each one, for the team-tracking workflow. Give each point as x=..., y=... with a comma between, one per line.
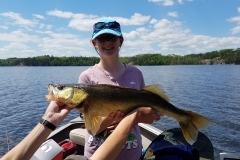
x=154, y=0
x=180, y=1
x=18, y=20
x=80, y=22
x=150, y=35
x=173, y=14
x=163, y=2
x=38, y=16
x=48, y=27
x=236, y=29
x=153, y=21
x=131, y=35
x=136, y=34
x=4, y=27
x=16, y=46
x=171, y=37
x=17, y=37
x=3, y=50
x=44, y=26
x=41, y=26
x=62, y=44
x=235, y=19
x=168, y=2
x=16, y=50
x=84, y=22
x=136, y=19
x=60, y=14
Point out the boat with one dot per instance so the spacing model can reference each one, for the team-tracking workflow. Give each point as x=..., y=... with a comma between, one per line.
x=74, y=131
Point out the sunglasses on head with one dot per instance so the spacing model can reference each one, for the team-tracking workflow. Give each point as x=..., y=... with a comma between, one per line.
x=104, y=25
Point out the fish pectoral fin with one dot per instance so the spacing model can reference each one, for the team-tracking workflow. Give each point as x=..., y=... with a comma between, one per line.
x=157, y=89
x=92, y=123
x=191, y=124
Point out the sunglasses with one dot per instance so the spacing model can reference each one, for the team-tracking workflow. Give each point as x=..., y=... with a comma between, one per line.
x=107, y=37
x=109, y=25
x=103, y=25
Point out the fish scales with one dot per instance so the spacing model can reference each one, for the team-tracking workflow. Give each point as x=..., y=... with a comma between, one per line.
x=126, y=99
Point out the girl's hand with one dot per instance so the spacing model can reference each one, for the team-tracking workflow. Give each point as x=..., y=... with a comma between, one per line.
x=145, y=115
x=116, y=118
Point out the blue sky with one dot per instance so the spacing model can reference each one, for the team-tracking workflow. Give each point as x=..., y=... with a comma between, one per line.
x=64, y=27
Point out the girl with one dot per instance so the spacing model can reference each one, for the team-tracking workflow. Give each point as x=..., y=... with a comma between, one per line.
x=107, y=40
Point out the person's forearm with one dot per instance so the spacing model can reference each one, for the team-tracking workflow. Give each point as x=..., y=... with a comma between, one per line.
x=29, y=145
x=112, y=145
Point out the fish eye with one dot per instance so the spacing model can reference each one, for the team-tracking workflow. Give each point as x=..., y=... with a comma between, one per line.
x=60, y=87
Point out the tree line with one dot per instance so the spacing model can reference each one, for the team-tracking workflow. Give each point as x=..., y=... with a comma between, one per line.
x=225, y=56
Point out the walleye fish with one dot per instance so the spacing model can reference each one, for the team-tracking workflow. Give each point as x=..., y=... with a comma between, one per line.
x=97, y=101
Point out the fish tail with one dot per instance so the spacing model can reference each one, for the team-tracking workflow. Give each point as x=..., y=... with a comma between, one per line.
x=191, y=124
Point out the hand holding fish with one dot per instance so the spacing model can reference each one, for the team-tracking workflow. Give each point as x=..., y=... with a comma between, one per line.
x=115, y=119
x=56, y=112
x=145, y=115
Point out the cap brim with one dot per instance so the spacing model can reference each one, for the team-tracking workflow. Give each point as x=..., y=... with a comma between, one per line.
x=107, y=31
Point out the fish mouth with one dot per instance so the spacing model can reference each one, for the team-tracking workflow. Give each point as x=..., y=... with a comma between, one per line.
x=51, y=93
x=57, y=92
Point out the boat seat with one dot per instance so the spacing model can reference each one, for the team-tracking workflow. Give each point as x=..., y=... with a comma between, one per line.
x=77, y=136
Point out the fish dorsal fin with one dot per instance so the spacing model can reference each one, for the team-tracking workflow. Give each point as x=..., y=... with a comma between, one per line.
x=157, y=89
x=92, y=123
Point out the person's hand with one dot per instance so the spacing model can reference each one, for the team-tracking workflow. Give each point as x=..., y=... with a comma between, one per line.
x=145, y=115
x=56, y=112
x=115, y=118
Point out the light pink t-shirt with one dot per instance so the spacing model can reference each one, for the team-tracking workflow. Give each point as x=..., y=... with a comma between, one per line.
x=132, y=77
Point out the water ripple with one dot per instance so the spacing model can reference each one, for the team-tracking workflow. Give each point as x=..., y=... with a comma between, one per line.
x=212, y=91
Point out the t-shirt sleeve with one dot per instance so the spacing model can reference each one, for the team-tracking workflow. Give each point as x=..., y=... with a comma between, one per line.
x=83, y=78
x=140, y=78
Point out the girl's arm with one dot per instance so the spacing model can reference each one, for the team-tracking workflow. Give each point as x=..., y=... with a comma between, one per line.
x=115, y=142
x=55, y=114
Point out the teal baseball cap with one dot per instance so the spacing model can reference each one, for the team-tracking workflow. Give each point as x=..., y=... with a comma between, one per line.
x=106, y=25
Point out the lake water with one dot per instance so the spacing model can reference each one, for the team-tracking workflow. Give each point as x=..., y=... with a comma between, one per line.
x=213, y=91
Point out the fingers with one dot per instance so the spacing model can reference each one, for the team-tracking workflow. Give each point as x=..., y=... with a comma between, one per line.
x=112, y=127
x=60, y=104
x=156, y=114
x=66, y=110
x=147, y=115
x=114, y=119
x=111, y=115
x=156, y=117
x=118, y=116
x=143, y=115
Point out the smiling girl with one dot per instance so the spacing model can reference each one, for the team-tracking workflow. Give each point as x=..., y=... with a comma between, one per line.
x=107, y=40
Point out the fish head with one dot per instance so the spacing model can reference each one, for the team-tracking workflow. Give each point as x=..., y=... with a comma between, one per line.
x=68, y=94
